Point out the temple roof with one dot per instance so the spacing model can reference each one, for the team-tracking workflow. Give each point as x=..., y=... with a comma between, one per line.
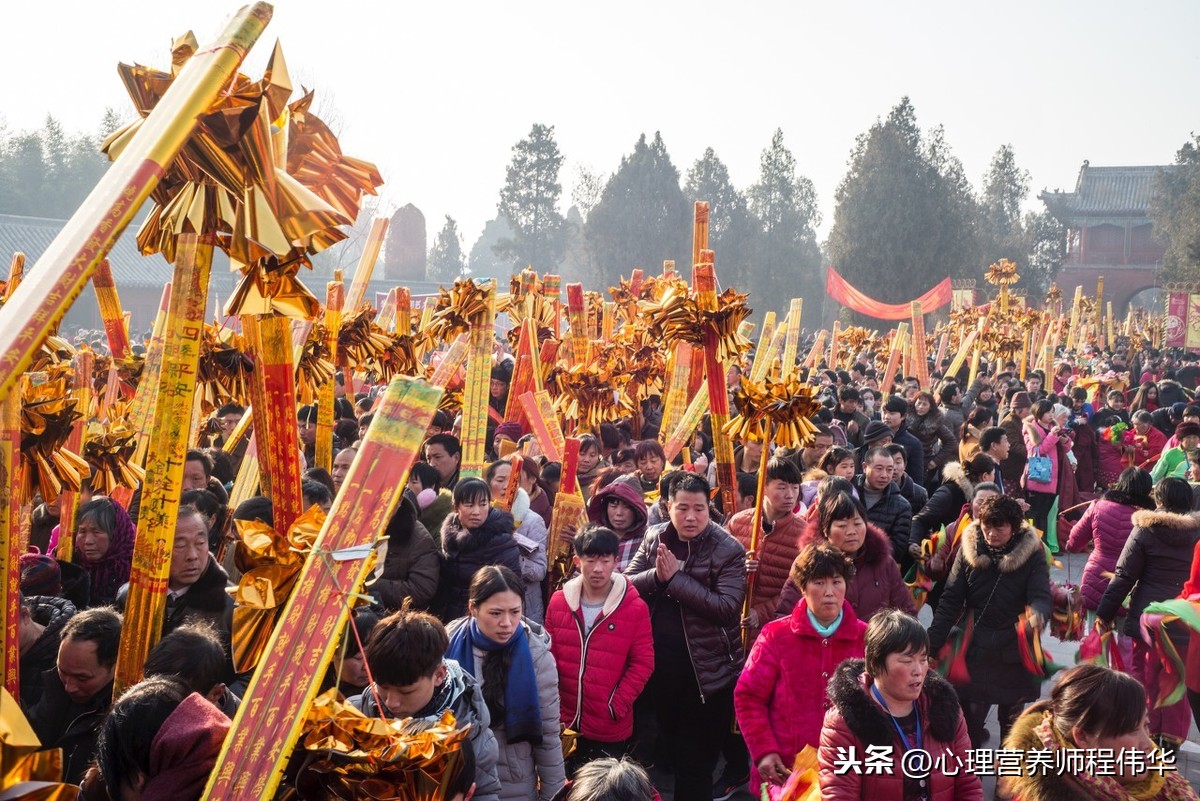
x=1105, y=192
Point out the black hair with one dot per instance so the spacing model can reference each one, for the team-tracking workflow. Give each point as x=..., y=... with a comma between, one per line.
x=1001, y=509
x=406, y=646
x=624, y=455
x=191, y=653
x=891, y=631
x=588, y=442
x=441, y=420
x=202, y=501
x=833, y=457
x=322, y=476
x=1100, y=701
x=688, y=482
x=100, y=625
x=990, y=436
x=948, y=392
x=785, y=470
x=197, y=455
x=307, y=414
x=222, y=465
x=839, y=506
x=596, y=541
x=849, y=393
x=471, y=490
x=1132, y=488
x=128, y=732
x=1040, y=408
x=551, y=473
x=747, y=484
x=488, y=581
x=876, y=450
x=427, y=475
x=1173, y=495
x=649, y=447
x=820, y=562
x=101, y=511
x=448, y=441
x=895, y=450
x=978, y=466
x=231, y=408
x=315, y=493
x=258, y=507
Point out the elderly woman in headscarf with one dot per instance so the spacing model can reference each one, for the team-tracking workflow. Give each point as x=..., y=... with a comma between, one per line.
x=104, y=537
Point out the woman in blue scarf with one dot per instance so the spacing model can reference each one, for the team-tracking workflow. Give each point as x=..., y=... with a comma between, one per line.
x=510, y=657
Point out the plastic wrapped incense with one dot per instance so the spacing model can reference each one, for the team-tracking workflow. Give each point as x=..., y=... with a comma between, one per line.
x=10, y=537
x=270, y=718
x=635, y=281
x=682, y=434
x=773, y=352
x=1073, y=330
x=552, y=288
x=66, y=265
x=609, y=322
x=834, y=343
x=1100, y=312
x=1025, y=353
x=476, y=390
x=273, y=403
x=676, y=401
x=669, y=268
x=246, y=482
x=893, y=363
x=961, y=356
x=704, y=284
x=69, y=500
x=147, y=597
x=791, y=343
x=402, y=303
x=366, y=264
x=577, y=316
x=544, y=423
x=568, y=514
x=335, y=299
x=526, y=376
x=386, y=316
x=144, y=398
x=762, y=356
x=814, y=355
x=943, y=344
x=920, y=347
x=505, y=502
x=110, y=310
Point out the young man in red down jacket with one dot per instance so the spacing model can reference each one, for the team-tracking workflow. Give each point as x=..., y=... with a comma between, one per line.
x=601, y=640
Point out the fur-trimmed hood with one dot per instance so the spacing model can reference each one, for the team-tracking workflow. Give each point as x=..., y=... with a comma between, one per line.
x=1171, y=527
x=849, y=692
x=953, y=473
x=1028, y=545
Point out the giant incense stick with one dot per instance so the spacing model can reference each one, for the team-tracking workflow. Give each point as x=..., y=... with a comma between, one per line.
x=366, y=265
x=893, y=363
x=681, y=435
x=273, y=404
x=920, y=348
x=142, y=410
x=269, y=720
x=792, y=342
x=577, y=316
x=335, y=298
x=476, y=392
x=568, y=513
x=762, y=354
x=704, y=283
x=10, y=538
x=68, y=500
x=699, y=230
x=66, y=265
x=544, y=422
x=146, y=602
x=677, y=399
x=110, y=310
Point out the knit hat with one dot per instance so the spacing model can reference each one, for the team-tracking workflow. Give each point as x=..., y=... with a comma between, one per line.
x=1177, y=409
x=1021, y=400
x=1182, y=430
x=509, y=430
x=876, y=431
x=185, y=749
x=896, y=404
x=41, y=575
x=502, y=371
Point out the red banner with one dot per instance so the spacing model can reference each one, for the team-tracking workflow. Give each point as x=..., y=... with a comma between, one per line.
x=1177, y=309
x=841, y=291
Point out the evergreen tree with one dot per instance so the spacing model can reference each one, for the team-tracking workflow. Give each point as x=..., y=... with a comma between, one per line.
x=730, y=227
x=446, y=262
x=642, y=217
x=905, y=214
x=529, y=200
x=483, y=261
x=786, y=261
x=1001, y=228
x=1175, y=212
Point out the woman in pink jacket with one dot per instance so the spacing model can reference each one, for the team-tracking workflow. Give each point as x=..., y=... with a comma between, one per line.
x=790, y=665
x=1041, y=435
x=1107, y=523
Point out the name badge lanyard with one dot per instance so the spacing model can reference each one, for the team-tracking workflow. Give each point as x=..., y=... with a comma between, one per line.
x=903, y=738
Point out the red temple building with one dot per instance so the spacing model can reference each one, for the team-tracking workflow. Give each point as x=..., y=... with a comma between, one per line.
x=1109, y=233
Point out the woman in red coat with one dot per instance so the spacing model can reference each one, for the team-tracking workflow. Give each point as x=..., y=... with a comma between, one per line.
x=893, y=700
x=791, y=661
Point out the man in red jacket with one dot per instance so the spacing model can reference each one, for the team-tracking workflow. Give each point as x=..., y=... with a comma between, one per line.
x=601, y=639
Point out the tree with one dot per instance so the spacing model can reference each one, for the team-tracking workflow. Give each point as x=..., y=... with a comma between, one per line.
x=446, y=262
x=642, y=217
x=586, y=191
x=483, y=261
x=1175, y=212
x=905, y=216
x=786, y=260
x=730, y=228
x=1001, y=228
x=529, y=200
x=1045, y=247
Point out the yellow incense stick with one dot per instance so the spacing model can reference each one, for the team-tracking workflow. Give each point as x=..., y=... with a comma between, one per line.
x=146, y=602
x=476, y=391
x=791, y=343
x=10, y=538
x=68, y=502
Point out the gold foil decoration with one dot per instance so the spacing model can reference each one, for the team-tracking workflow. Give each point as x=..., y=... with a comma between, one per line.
x=456, y=309
x=108, y=449
x=47, y=414
x=224, y=369
x=788, y=405
x=26, y=771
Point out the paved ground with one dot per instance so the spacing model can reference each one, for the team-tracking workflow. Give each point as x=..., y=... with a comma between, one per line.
x=1064, y=653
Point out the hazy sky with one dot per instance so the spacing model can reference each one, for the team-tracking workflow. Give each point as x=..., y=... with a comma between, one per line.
x=437, y=93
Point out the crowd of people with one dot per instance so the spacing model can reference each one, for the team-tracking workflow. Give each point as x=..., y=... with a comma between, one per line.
x=680, y=638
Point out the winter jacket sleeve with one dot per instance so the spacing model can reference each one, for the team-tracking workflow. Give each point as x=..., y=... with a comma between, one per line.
x=947, y=449
x=788, y=599
x=511, y=557
x=751, y=696
x=1037, y=591
x=937, y=512
x=487, y=755
x=1048, y=446
x=900, y=529
x=721, y=605
x=836, y=743
x=641, y=661
x=1084, y=531
x=640, y=570
x=533, y=565
x=1130, y=566
x=548, y=755
x=421, y=581
x=950, y=607
x=899, y=596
